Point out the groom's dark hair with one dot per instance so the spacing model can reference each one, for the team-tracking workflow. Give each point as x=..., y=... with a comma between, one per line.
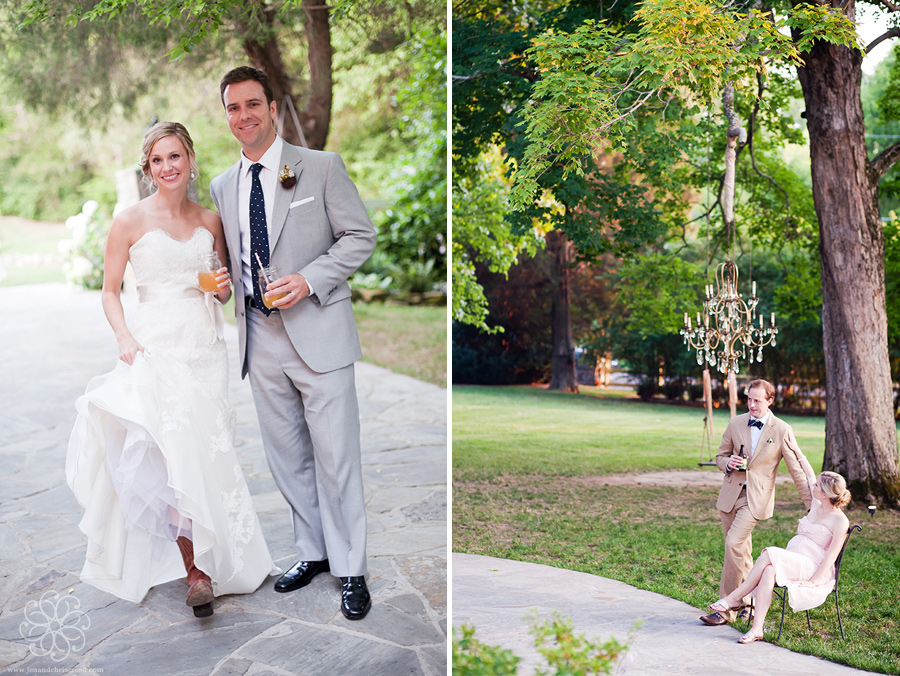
x=242, y=74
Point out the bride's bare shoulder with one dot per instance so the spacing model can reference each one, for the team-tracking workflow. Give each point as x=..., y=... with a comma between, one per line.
x=130, y=224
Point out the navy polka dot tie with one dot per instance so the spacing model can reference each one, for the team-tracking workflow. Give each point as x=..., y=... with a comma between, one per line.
x=259, y=236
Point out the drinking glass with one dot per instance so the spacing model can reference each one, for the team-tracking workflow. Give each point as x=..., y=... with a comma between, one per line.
x=207, y=275
x=266, y=275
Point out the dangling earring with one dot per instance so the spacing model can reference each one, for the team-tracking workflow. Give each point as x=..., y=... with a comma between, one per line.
x=193, y=175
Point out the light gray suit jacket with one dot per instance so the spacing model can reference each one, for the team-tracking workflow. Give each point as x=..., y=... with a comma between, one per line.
x=321, y=229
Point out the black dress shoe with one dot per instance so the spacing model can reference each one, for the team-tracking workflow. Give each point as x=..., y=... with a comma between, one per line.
x=355, y=599
x=300, y=575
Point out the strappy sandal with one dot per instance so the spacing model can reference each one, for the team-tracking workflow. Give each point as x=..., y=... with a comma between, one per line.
x=721, y=607
x=749, y=637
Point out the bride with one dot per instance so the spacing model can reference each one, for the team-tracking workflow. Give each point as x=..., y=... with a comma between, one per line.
x=151, y=457
x=806, y=566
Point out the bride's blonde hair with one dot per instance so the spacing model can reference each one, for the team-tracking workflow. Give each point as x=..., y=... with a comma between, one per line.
x=835, y=487
x=159, y=131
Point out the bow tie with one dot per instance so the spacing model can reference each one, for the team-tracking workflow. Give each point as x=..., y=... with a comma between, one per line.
x=755, y=423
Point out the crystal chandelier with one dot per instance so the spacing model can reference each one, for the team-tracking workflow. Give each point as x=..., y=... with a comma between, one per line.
x=727, y=329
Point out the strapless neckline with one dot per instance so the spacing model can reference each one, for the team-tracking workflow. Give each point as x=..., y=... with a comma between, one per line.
x=812, y=523
x=171, y=236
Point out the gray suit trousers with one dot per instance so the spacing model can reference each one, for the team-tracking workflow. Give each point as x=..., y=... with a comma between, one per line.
x=310, y=430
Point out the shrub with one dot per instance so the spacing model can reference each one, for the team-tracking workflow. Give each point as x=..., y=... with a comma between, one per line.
x=83, y=254
x=565, y=652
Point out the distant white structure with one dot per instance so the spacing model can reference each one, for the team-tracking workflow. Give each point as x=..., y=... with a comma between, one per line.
x=130, y=189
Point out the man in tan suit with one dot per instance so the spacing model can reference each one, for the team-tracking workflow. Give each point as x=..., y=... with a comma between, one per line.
x=748, y=494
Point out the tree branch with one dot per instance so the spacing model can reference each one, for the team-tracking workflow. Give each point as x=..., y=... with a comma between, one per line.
x=887, y=35
x=891, y=7
x=885, y=160
x=752, y=123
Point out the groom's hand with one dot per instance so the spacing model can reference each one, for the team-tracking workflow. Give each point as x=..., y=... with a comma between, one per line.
x=294, y=287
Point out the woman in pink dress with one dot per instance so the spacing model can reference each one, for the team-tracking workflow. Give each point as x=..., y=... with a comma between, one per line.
x=806, y=566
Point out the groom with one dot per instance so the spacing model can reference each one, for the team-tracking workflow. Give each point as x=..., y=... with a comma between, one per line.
x=297, y=209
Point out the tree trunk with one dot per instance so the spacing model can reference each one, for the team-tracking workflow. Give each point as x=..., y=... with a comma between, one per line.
x=860, y=433
x=316, y=117
x=563, y=365
x=262, y=48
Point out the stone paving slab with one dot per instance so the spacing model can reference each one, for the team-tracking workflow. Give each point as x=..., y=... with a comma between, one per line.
x=494, y=595
x=53, y=340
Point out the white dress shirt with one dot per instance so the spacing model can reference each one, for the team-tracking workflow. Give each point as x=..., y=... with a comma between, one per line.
x=268, y=177
x=756, y=433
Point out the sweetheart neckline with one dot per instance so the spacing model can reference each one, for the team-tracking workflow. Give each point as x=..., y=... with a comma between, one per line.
x=813, y=523
x=170, y=235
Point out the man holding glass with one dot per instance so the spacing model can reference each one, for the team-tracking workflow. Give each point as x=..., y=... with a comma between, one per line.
x=752, y=447
x=296, y=210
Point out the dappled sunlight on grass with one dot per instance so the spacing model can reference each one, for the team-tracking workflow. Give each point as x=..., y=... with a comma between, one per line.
x=527, y=429
x=534, y=479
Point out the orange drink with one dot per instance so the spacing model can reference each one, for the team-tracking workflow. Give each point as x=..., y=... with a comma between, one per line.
x=206, y=277
x=266, y=276
x=207, y=281
x=269, y=301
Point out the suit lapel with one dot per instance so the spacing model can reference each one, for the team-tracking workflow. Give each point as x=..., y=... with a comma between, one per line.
x=231, y=214
x=284, y=197
x=744, y=435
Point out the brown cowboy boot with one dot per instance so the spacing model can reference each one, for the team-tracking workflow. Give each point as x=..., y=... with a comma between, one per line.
x=200, y=592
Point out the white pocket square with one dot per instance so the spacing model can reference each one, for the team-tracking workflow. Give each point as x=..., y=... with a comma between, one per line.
x=303, y=201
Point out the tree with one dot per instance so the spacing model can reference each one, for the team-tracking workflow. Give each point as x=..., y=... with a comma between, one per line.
x=586, y=215
x=262, y=30
x=481, y=235
x=701, y=46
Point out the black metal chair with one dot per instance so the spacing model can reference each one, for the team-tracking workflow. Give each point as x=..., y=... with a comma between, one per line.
x=782, y=593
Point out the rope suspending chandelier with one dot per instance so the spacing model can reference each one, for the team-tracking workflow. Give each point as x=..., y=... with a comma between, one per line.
x=727, y=329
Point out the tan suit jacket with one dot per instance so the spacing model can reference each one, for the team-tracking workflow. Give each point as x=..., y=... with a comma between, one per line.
x=762, y=468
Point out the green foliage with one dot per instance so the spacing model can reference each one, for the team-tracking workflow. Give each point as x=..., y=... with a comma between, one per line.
x=892, y=290
x=676, y=51
x=412, y=231
x=481, y=234
x=655, y=293
x=90, y=71
x=79, y=98
x=566, y=653
x=881, y=108
x=570, y=654
x=197, y=20
x=471, y=657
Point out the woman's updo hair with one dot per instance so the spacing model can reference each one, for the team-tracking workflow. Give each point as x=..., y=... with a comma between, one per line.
x=835, y=487
x=159, y=131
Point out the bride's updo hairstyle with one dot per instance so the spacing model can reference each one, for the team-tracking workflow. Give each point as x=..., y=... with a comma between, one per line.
x=835, y=487
x=159, y=131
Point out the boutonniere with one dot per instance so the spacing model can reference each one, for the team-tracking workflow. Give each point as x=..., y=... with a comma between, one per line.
x=287, y=177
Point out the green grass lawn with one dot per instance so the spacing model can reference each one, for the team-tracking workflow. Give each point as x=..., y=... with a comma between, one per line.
x=524, y=488
x=408, y=339
x=29, y=251
x=530, y=430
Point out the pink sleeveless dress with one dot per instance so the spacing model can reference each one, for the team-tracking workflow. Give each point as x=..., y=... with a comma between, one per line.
x=799, y=562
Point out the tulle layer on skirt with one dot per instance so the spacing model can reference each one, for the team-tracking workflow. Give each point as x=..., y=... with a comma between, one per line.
x=151, y=457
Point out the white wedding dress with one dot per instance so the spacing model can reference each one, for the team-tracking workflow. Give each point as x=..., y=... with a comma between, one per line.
x=151, y=456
